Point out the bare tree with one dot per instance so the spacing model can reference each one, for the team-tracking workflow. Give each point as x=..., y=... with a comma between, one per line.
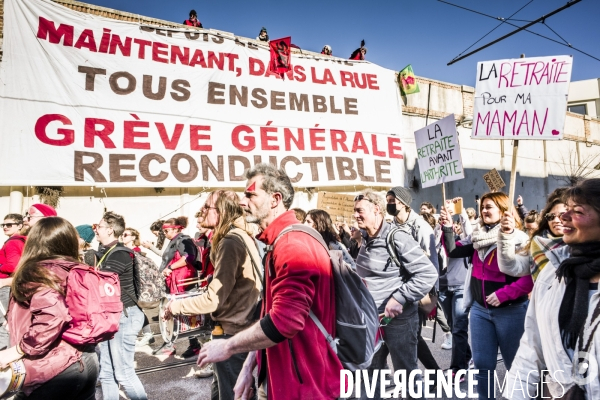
x=572, y=171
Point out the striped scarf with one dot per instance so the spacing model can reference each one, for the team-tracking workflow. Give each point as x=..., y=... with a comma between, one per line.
x=539, y=246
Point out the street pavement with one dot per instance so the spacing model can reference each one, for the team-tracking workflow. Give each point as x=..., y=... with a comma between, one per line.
x=177, y=382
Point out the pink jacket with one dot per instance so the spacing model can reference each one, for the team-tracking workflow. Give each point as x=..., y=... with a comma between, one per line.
x=38, y=330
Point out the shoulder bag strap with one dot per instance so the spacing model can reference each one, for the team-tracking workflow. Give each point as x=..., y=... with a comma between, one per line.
x=105, y=255
x=330, y=340
x=254, y=264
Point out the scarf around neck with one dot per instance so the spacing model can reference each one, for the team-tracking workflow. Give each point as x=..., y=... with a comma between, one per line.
x=583, y=264
x=483, y=237
x=538, y=248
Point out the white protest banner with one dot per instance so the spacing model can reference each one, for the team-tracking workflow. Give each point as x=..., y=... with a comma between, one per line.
x=521, y=98
x=86, y=100
x=438, y=153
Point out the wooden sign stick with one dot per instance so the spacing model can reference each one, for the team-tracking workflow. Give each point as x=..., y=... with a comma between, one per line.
x=513, y=171
x=444, y=194
x=513, y=174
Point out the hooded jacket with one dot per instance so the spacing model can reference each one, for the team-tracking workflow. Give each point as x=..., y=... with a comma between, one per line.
x=38, y=330
x=299, y=278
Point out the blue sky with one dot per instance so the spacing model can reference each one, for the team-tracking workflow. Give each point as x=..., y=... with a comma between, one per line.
x=426, y=33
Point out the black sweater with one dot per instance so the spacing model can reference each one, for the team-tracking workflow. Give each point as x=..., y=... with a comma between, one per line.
x=120, y=261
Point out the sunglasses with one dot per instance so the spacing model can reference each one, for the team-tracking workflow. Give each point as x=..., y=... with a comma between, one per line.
x=551, y=216
x=9, y=225
x=127, y=234
x=362, y=197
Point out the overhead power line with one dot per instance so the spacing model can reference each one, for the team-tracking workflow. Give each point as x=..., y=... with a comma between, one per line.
x=496, y=27
x=520, y=28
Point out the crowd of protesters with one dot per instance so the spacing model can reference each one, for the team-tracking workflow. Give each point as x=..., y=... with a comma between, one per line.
x=528, y=291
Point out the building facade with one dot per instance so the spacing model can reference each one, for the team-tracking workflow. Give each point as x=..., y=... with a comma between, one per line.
x=542, y=166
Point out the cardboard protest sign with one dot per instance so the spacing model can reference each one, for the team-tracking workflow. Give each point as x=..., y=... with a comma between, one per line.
x=438, y=153
x=92, y=101
x=494, y=180
x=339, y=206
x=522, y=98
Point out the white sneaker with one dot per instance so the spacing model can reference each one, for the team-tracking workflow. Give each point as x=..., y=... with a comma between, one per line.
x=447, y=344
x=205, y=372
x=146, y=339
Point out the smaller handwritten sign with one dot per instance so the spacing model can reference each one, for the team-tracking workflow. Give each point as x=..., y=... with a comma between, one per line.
x=494, y=180
x=438, y=153
x=339, y=206
x=521, y=98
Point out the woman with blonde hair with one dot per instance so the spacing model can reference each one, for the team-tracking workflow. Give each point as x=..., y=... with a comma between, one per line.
x=131, y=239
x=498, y=301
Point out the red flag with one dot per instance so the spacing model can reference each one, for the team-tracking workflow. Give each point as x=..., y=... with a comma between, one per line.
x=281, y=56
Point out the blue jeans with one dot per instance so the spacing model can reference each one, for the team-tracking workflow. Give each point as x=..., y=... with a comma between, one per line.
x=116, y=360
x=492, y=328
x=458, y=319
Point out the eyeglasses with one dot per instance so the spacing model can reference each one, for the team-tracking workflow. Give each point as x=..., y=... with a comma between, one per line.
x=9, y=225
x=127, y=234
x=362, y=197
x=551, y=216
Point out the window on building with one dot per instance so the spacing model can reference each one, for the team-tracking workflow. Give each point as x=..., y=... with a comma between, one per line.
x=578, y=109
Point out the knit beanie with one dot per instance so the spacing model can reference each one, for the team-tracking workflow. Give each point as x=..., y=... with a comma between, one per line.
x=402, y=194
x=45, y=209
x=86, y=232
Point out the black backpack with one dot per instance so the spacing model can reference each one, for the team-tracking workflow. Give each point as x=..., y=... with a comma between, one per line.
x=357, y=319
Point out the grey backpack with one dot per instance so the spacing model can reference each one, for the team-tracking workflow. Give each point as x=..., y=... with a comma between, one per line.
x=357, y=320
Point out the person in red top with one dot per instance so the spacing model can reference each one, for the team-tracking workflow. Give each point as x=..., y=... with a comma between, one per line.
x=360, y=53
x=10, y=254
x=193, y=20
x=13, y=247
x=38, y=317
x=297, y=363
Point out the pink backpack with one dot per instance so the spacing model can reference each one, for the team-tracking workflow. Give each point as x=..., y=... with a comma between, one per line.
x=94, y=302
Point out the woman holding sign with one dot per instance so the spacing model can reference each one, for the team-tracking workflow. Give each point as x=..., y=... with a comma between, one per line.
x=546, y=238
x=499, y=301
